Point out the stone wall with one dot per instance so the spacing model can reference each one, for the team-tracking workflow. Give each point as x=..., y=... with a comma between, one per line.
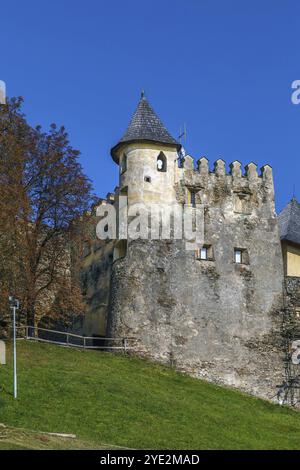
x=95, y=280
x=291, y=336
x=212, y=318
x=293, y=294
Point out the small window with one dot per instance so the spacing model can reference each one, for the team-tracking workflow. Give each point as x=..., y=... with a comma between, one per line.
x=203, y=253
x=192, y=197
x=147, y=179
x=241, y=256
x=161, y=162
x=238, y=256
x=123, y=166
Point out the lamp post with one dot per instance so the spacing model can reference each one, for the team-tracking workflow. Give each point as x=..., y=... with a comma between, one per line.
x=14, y=305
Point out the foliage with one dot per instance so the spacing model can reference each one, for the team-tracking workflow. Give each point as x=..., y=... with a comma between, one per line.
x=42, y=192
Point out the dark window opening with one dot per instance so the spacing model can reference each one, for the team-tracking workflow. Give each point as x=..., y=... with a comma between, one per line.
x=238, y=256
x=205, y=253
x=241, y=256
x=161, y=162
x=192, y=197
x=147, y=179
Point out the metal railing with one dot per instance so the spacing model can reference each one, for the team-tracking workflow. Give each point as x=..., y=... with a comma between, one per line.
x=64, y=338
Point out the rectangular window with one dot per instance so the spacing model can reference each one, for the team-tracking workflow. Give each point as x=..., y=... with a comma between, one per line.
x=238, y=258
x=193, y=199
x=193, y=196
x=204, y=253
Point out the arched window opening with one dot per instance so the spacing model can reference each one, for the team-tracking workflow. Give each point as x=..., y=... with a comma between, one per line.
x=161, y=162
x=123, y=165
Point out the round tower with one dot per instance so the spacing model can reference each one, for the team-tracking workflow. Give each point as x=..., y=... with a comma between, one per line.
x=147, y=157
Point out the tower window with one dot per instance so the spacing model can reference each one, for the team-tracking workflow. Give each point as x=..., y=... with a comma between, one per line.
x=192, y=197
x=147, y=179
x=161, y=162
x=238, y=256
x=241, y=256
x=123, y=166
x=205, y=253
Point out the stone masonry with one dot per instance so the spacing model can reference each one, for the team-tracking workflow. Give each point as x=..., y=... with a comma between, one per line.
x=220, y=318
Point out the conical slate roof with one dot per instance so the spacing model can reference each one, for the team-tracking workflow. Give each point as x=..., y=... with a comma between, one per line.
x=145, y=125
x=289, y=222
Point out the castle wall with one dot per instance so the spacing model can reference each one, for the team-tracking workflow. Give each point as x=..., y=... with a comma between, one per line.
x=213, y=318
x=291, y=332
x=95, y=279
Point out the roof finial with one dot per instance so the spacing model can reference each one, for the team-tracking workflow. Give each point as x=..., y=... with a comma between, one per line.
x=142, y=94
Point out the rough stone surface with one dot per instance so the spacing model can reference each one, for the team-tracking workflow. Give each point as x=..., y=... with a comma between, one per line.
x=95, y=280
x=230, y=323
x=215, y=319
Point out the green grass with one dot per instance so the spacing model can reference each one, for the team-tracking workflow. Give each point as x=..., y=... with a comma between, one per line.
x=114, y=400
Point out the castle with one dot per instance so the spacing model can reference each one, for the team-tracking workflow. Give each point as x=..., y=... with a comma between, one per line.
x=226, y=311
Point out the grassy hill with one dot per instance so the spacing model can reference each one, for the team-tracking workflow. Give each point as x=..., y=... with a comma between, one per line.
x=109, y=400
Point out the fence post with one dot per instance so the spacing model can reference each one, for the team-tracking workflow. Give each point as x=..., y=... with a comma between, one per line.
x=125, y=345
x=84, y=342
x=26, y=332
x=67, y=338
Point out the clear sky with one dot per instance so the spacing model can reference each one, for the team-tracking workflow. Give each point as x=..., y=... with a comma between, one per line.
x=224, y=67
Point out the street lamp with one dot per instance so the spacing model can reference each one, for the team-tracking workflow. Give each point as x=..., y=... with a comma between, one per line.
x=14, y=305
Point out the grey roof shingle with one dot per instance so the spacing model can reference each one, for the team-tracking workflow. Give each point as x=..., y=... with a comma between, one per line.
x=289, y=222
x=145, y=125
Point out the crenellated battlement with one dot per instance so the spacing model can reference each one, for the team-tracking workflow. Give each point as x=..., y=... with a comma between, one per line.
x=239, y=189
x=235, y=169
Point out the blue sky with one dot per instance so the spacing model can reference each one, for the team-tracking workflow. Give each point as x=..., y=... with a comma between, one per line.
x=224, y=67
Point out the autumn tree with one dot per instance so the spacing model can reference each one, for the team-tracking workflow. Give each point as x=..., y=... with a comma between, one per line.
x=43, y=192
